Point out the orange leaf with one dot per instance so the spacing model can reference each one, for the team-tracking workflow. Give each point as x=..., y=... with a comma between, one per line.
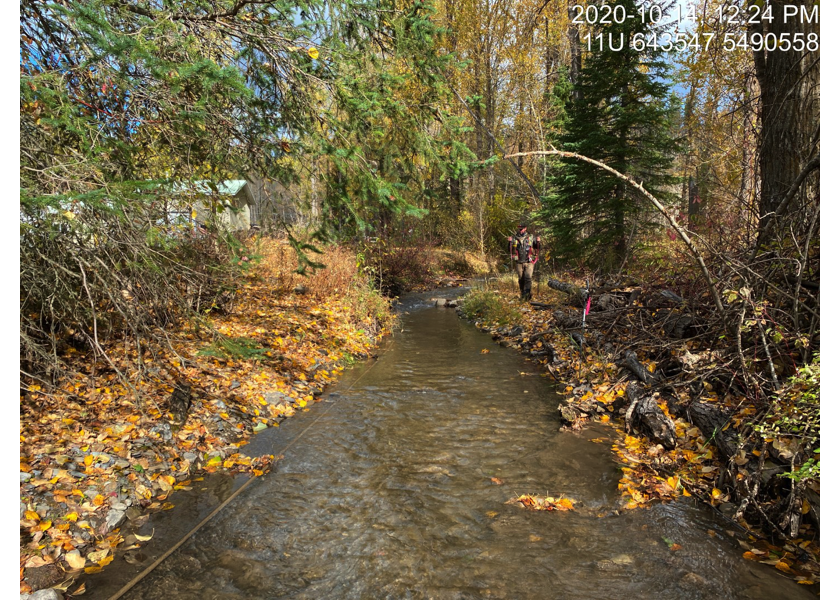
x=784, y=568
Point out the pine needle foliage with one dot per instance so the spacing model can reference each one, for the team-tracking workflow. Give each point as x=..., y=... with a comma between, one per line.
x=620, y=112
x=127, y=108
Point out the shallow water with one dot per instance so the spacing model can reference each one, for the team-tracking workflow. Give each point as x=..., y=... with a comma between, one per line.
x=389, y=493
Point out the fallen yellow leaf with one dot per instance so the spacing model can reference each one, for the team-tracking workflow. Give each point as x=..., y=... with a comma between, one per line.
x=75, y=559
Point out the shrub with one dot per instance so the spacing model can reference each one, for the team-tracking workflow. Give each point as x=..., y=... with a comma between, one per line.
x=396, y=265
x=486, y=305
x=454, y=264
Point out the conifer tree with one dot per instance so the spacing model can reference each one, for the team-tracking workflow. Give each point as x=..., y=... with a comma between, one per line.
x=124, y=104
x=620, y=113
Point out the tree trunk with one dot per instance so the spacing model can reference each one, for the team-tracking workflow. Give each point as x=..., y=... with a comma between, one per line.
x=789, y=113
x=575, y=62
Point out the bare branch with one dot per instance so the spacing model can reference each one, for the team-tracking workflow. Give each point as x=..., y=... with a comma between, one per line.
x=679, y=229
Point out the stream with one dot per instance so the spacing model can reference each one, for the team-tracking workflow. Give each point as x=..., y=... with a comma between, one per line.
x=397, y=488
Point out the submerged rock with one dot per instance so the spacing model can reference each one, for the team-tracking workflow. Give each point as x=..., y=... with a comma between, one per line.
x=49, y=594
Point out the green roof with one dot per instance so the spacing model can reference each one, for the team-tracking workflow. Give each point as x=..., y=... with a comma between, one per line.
x=230, y=187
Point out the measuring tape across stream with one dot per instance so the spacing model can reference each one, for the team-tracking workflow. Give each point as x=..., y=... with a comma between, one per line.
x=137, y=579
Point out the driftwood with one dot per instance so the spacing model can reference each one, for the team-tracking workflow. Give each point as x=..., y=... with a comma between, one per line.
x=711, y=421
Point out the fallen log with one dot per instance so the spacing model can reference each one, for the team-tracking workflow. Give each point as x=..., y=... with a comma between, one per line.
x=609, y=302
x=632, y=364
x=565, y=321
x=678, y=325
x=645, y=416
x=711, y=421
x=541, y=305
x=649, y=419
x=577, y=295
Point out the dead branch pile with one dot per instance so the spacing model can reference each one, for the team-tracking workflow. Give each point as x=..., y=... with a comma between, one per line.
x=710, y=368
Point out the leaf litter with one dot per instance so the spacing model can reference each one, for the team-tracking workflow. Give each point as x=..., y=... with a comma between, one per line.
x=100, y=451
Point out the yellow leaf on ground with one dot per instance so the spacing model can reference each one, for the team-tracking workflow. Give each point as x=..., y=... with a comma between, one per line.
x=784, y=568
x=75, y=559
x=97, y=556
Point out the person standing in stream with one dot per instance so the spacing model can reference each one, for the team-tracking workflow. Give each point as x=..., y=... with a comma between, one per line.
x=524, y=250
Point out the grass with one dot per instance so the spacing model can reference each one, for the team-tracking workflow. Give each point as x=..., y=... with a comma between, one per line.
x=240, y=348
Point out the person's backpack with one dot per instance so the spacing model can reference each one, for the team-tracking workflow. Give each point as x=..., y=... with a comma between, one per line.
x=523, y=248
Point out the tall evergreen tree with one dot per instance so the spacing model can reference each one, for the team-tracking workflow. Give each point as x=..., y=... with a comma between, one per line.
x=620, y=113
x=123, y=102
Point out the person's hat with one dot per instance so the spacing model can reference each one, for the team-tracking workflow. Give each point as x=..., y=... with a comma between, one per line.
x=523, y=225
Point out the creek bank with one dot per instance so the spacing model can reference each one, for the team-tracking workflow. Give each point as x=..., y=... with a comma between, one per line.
x=678, y=427
x=106, y=446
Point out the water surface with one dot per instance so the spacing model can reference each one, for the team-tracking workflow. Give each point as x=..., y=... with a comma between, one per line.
x=389, y=493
